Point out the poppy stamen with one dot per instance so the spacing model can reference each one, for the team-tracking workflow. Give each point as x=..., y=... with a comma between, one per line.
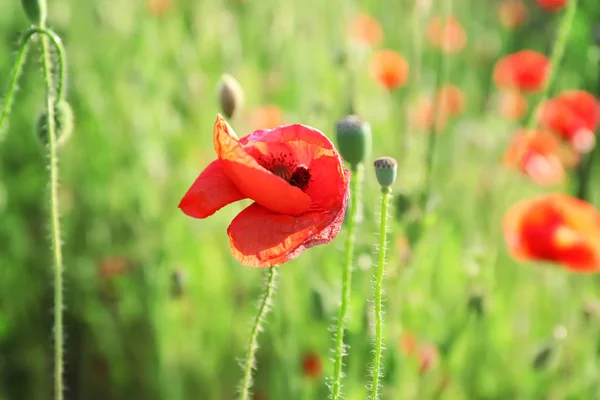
x=300, y=178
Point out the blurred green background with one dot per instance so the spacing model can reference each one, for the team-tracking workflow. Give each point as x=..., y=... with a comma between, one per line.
x=156, y=308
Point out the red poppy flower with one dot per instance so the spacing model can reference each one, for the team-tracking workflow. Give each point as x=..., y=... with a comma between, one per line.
x=555, y=228
x=365, y=29
x=512, y=104
x=422, y=116
x=389, y=69
x=512, y=13
x=538, y=155
x=572, y=114
x=428, y=356
x=451, y=99
x=448, y=34
x=312, y=365
x=526, y=70
x=296, y=179
x=552, y=5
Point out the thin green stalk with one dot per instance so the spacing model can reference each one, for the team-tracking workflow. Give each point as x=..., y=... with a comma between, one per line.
x=558, y=51
x=435, y=128
x=263, y=309
x=18, y=68
x=385, y=201
x=51, y=98
x=355, y=198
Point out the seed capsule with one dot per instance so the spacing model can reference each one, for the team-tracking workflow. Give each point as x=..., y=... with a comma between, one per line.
x=386, y=170
x=354, y=139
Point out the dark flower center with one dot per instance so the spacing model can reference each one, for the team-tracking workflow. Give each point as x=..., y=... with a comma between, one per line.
x=285, y=167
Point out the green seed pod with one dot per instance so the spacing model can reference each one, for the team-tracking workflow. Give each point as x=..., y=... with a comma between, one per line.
x=230, y=95
x=63, y=124
x=386, y=170
x=354, y=139
x=35, y=10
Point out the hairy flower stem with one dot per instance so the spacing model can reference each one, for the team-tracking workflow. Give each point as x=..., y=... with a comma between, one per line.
x=18, y=68
x=263, y=310
x=378, y=289
x=355, y=198
x=51, y=98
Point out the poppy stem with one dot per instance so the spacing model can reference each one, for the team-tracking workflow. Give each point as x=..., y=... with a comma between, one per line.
x=51, y=99
x=378, y=289
x=263, y=310
x=558, y=51
x=355, y=198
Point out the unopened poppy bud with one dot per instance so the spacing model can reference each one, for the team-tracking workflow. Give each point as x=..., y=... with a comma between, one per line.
x=354, y=139
x=35, y=10
x=178, y=283
x=63, y=124
x=231, y=95
x=386, y=169
x=543, y=357
x=475, y=303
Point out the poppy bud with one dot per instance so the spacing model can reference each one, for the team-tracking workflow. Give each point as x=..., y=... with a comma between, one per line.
x=543, y=357
x=178, y=283
x=230, y=94
x=63, y=124
x=354, y=139
x=402, y=204
x=590, y=311
x=35, y=10
x=386, y=169
x=475, y=303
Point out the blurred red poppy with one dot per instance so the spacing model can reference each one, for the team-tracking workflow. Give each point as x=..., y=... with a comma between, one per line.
x=555, y=228
x=365, y=29
x=159, y=7
x=296, y=179
x=312, y=365
x=552, y=5
x=421, y=115
x=447, y=34
x=525, y=70
x=267, y=116
x=426, y=354
x=536, y=154
x=389, y=69
x=512, y=104
x=573, y=114
x=512, y=13
x=451, y=99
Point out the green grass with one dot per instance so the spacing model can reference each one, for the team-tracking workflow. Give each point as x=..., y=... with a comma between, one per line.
x=143, y=92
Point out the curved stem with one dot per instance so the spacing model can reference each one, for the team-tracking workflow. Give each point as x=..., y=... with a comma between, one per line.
x=12, y=85
x=51, y=94
x=355, y=198
x=263, y=309
x=20, y=61
x=385, y=200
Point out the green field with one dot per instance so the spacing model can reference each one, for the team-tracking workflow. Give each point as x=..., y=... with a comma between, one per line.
x=155, y=305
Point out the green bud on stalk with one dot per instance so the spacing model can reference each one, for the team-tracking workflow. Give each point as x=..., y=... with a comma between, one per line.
x=354, y=139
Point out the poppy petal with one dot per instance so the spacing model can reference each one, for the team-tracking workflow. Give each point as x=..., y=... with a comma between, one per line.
x=261, y=238
x=211, y=191
x=254, y=181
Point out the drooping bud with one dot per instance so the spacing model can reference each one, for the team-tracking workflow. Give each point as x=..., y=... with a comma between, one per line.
x=354, y=139
x=63, y=124
x=35, y=10
x=543, y=356
x=386, y=170
x=230, y=95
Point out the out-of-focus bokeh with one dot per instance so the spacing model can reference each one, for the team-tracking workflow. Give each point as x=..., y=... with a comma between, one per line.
x=156, y=307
